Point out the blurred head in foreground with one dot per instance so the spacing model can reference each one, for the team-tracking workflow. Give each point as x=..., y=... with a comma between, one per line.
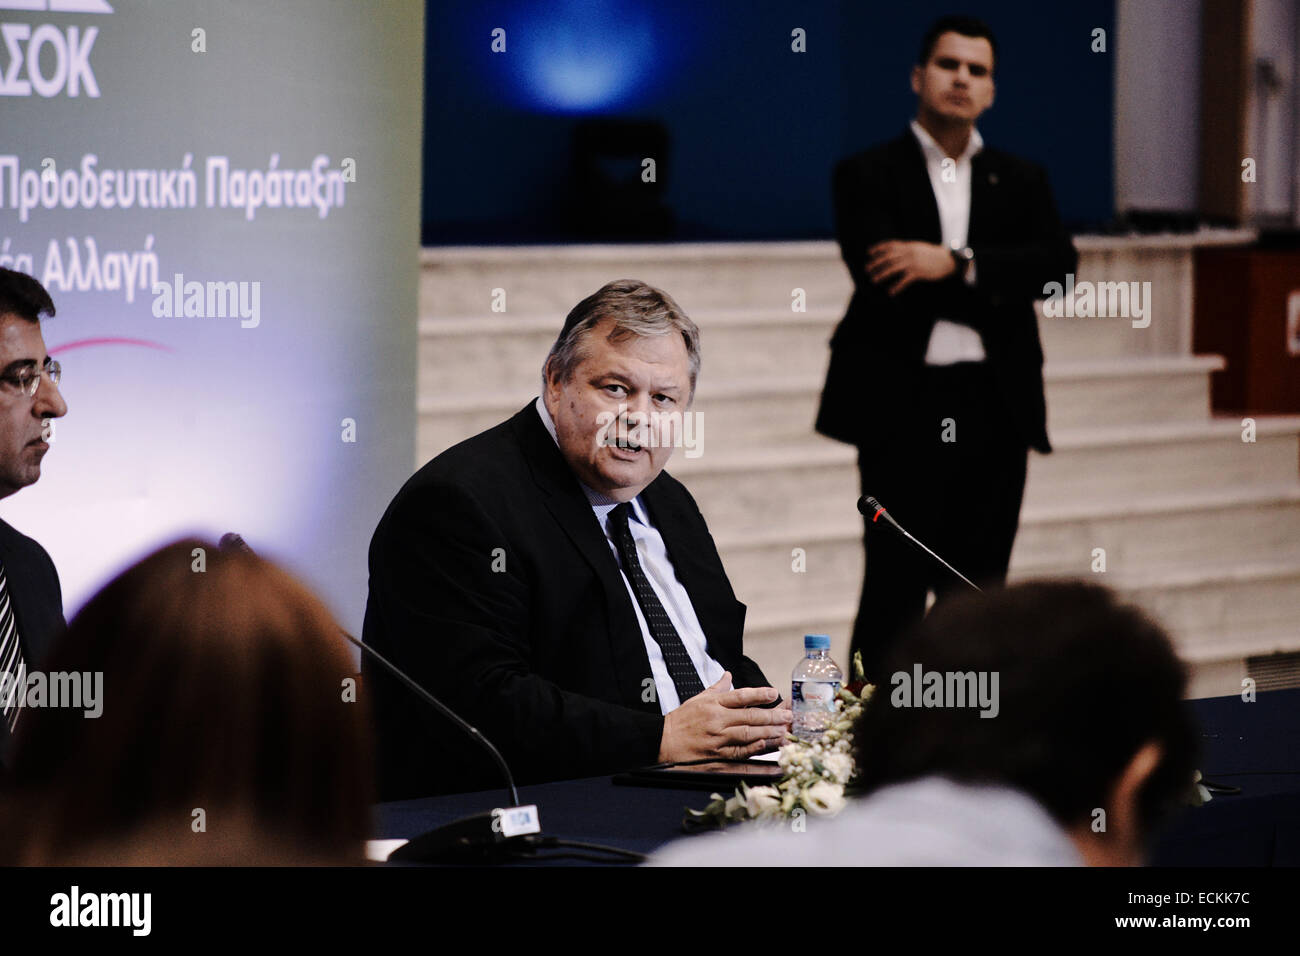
x=227, y=734
x=1037, y=725
x=1089, y=716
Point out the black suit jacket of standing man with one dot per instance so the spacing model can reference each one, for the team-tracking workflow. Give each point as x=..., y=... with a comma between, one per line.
x=494, y=586
x=878, y=349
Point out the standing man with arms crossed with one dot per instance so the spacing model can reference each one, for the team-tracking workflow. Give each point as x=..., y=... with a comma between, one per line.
x=31, y=602
x=936, y=369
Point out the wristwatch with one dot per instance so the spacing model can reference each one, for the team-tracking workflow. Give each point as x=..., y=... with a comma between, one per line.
x=963, y=257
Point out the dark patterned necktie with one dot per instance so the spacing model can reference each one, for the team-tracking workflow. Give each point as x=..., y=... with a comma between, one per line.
x=685, y=678
x=13, y=669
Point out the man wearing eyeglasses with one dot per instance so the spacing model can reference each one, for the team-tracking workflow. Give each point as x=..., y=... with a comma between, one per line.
x=31, y=601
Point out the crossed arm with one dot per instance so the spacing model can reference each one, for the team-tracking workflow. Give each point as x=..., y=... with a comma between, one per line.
x=912, y=276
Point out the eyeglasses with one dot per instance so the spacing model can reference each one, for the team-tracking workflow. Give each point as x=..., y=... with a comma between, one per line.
x=28, y=378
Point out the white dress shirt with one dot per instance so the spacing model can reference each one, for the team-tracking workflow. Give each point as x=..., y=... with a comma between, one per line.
x=653, y=556
x=952, y=342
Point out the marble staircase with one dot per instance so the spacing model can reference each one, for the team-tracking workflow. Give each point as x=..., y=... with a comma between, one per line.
x=1197, y=525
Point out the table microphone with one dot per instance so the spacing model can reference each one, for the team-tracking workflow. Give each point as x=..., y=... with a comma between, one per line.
x=873, y=509
x=483, y=837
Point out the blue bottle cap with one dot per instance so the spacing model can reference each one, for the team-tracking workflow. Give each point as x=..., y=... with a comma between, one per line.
x=816, y=642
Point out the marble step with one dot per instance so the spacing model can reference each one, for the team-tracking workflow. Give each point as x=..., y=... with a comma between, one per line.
x=456, y=355
x=552, y=279
x=1079, y=394
x=1117, y=390
x=458, y=285
x=1216, y=618
x=807, y=485
x=775, y=641
x=1126, y=462
x=1226, y=528
x=1219, y=612
x=457, y=281
x=816, y=482
x=1074, y=339
x=736, y=414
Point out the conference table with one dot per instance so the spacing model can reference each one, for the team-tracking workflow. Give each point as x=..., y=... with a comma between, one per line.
x=1254, y=746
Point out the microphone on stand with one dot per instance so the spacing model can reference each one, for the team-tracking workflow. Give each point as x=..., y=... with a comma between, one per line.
x=873, y=509
x=482, y=838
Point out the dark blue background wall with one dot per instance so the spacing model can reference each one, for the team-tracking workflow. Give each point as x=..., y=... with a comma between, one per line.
x=754, y=127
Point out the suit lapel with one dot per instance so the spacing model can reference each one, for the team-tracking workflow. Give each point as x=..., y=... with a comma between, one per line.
x=917, y=192
x=563, y=497
x=561, y=493
x=985, y=194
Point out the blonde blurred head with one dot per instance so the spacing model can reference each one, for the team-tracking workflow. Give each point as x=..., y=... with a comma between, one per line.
x=223, y=693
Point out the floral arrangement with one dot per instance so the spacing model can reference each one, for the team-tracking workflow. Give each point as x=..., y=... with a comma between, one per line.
x=816, y=772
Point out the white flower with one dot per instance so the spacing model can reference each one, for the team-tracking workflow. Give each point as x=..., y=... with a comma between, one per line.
x=1202, y=791
x=734, y=808
x=824, y=799
x=839, y=766
x=760, y=800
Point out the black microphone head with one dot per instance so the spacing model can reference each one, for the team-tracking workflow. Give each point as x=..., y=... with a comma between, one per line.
x=869, y=506
x=233, y=542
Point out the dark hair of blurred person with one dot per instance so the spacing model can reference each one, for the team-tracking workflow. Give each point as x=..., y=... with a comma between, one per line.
x=1091, y=711
x=1086, y=715
x=964, y=26
x=223, y=690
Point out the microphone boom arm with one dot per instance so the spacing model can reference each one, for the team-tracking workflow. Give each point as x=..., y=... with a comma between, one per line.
x=873, y=509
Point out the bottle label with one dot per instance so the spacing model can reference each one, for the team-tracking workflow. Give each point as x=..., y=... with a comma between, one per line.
x=818, y=692
x=814, y=693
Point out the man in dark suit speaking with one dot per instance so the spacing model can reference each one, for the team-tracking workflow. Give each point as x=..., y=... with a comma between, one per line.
x=553, y=585
x=31, y=601
x=936, y=369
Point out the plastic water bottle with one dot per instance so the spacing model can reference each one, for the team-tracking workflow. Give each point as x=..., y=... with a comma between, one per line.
x=815, y=683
